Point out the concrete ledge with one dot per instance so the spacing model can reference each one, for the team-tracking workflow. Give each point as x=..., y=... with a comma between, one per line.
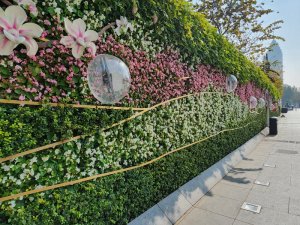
x=174, y=206
x=152, y=216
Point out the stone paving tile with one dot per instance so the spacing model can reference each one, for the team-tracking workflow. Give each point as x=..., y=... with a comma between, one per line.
x=243, y=182
x=268, y=217
x=220, y=205
x=203, y=217
x=276, y=202
x=229, y=191
x=251, y=173
x=236, y=222
x=295, y=181
x=294, y=206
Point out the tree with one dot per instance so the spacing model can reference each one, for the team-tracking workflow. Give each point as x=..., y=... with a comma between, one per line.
x=241, y=22
x=291, y=95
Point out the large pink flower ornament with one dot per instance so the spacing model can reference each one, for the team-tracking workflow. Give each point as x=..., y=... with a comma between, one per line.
x=13, y=32
x=78, y=38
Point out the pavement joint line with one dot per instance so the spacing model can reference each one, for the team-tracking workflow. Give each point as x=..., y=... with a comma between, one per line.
x=289, y=205
x=164, y=213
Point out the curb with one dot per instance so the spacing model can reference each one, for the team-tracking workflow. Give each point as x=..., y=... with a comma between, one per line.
x=169, y=210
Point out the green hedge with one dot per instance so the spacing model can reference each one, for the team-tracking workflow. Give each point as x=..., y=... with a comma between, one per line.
x=24, y=128
x=120, y=198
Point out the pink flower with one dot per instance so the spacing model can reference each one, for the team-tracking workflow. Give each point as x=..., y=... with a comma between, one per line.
x=22, y=98
x=78, y=38
x=14, y=32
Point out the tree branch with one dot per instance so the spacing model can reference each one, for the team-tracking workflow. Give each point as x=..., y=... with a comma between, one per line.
x=104, y=29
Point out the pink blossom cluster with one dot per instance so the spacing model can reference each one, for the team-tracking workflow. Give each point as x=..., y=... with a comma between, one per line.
x=54, y=74
x=245, y=91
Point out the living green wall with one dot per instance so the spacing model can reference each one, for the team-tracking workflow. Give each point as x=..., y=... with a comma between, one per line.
x=171, y=52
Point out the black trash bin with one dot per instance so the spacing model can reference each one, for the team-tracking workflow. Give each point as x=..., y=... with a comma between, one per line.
x=284, y=110
x=273, y=126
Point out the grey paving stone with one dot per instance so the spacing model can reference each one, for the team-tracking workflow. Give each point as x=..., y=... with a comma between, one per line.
x=174, y=206
x=274, y=188
x=294, y=206
x=229, y=191
x=153, y=216
x=220, y=205
x=203, y=217
x=237, y=222
x=295, y=181
x=294, y=192
x=269, y=200
x=243, y=182
x=268, y=217
x=251, y=173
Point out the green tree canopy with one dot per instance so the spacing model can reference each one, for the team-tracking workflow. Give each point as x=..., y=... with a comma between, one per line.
x=241, y=22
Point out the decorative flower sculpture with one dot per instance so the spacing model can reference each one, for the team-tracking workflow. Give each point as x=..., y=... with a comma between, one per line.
x=78, y=38
x=253, y=102
x=28, y=4
x=123, y=25
x=13, y=32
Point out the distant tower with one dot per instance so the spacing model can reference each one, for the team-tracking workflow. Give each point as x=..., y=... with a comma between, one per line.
x=275, y=57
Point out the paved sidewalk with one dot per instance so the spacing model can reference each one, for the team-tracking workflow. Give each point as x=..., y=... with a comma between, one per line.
x=280, y=201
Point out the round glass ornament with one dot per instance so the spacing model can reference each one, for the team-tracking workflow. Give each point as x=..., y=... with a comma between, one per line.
x=231, y=83
x=253, y=102
x=108, y=78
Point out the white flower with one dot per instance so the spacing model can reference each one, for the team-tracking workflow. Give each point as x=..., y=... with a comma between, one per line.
x=6, y=168
x=37, y=176
x=31, y=199
x=33, y=160
x=13, y=204
x=18, y=182
x=13, y=32
x=22, y=176
x=123, y=25
x=57, y=11
x=79, y=39
x=45, y=158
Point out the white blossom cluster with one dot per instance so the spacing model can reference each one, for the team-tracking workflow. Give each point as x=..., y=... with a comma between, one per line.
x=167, y=128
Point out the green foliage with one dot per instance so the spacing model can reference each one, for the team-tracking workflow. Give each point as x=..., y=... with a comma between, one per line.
x=240, y=22
x=291, y=96
x=120, y=198
x=24, y=128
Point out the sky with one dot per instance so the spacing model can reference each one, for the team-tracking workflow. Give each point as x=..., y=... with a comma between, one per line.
x=289, y=12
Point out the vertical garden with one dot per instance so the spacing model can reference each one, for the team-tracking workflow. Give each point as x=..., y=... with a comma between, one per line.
x=67, y=158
